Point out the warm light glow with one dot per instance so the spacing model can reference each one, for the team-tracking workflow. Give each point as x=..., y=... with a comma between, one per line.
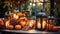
x=23, y=18
x=41, y=0
x=31, y=0
x=33, y=4
x=7, y=23
x=43, y=24
x=31, y=23
x=15, y=16
x=46, y=0
x=23, y=23
x=40, y=3
x=30, y=3
x=19, y=14
x=38, y=25
x=36, y=1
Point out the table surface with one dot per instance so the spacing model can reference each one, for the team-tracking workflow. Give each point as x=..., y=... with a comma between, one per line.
x=29, y=31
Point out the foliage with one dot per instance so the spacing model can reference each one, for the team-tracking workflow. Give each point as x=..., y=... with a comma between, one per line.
x=57, y=12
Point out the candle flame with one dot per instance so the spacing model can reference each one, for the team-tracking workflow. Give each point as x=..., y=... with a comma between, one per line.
x=38, y=25
x=43, y=24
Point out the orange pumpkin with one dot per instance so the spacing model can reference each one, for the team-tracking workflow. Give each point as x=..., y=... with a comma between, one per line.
x=19, y=20
x=19, y=14
x=10, y=27
x=18, y=27
x=23, y=23
x=27, y=23
x=50, y=27
x=22, y=19
x=55, y=29
x=2, y=23
x=24, y=14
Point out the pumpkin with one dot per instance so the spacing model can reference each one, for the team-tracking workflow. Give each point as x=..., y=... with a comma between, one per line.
x=24, y=14
x=23, y=23
x=2, y=24
x=50, y=27
x=55, y=29
x=27, y=23
x=19, y=14
x=22, y=19
x=10, y=27
x=19, y=20
x=18, y=27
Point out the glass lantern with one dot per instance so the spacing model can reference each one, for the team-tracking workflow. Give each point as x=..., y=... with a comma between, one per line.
x=51, y=20
x=51, y=23
x=41, y=21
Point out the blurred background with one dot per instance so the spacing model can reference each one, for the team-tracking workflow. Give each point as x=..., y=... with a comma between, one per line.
x=34, y=9
x=50, y=7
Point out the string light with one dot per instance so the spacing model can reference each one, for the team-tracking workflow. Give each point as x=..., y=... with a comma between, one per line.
x=30, y=3
x=33, y=4
x=40, y=3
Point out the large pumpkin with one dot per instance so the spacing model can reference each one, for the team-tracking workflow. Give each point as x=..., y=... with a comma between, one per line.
x=22, y=19
x=18, y=27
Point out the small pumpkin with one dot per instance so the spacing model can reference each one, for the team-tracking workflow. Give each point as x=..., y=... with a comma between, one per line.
x=10, y=27
x=23, y=23
x=18, y=27
x=50, y=27
x=2, y=24
x=55, y=29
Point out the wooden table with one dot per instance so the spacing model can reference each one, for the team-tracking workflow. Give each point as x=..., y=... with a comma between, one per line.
x=5, y=31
